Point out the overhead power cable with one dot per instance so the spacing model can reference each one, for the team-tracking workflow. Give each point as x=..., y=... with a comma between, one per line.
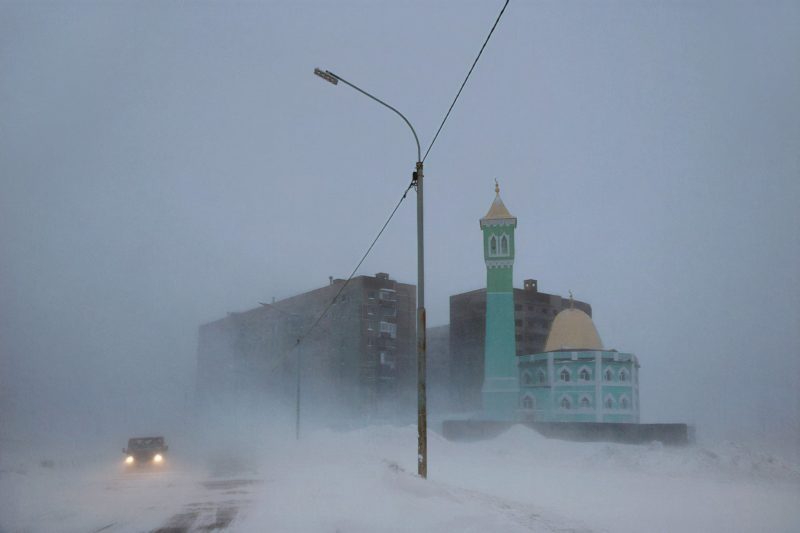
x=465, y=80
x=353, y=273
x=302, y=337
x=308, y=332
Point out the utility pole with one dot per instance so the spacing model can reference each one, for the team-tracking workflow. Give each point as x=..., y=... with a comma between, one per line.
x=417, y=177
x=297, y=398
x=422, y=407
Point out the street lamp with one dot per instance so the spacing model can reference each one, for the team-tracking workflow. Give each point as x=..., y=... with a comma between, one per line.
x=416, y=181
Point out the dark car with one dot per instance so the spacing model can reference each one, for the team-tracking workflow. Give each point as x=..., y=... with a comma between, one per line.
x=145, y=451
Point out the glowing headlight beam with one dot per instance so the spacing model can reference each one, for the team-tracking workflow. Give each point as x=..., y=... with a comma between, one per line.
x=158, y=458
x=129, y=460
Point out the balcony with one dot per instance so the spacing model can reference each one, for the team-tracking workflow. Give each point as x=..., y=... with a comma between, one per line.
x=387, y=295
x=389, y=328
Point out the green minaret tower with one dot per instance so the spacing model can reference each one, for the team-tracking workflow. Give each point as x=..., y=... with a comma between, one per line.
x=500, y=382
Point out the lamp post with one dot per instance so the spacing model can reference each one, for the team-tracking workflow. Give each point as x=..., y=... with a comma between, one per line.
x=417, y=177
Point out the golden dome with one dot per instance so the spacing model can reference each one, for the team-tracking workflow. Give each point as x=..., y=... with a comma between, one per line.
x=573, y=329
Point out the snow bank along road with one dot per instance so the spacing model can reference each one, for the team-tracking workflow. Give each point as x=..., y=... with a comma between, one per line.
x=364, y=481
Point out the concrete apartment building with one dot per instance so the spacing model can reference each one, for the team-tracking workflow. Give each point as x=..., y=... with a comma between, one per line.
x=534, y=312
x=359, y=359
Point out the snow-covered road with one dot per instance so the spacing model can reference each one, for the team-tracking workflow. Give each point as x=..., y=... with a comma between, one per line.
x=363, y=481
x=77, y=499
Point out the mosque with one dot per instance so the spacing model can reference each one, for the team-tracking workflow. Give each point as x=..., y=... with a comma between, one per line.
x=574, y=379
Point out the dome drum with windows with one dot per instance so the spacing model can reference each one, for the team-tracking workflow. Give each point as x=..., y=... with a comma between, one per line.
x=575, y=379
x=579, y=386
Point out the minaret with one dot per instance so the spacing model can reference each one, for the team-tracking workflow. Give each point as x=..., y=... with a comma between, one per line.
x=500, y=382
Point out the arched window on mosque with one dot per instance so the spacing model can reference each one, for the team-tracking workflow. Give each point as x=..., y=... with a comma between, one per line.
x=527, y=379
x=585, y=403
x=541, y=377
x=623, y=402
x=527, y=402
x=564, y=375
x=492, y=245
x=503, y=245
x=584, y=375
x=609, y=375
x=623, y=375
x=565, y=403
x=609, y=403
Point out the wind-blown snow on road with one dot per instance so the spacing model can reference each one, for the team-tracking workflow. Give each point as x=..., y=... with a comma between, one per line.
x=364, y=480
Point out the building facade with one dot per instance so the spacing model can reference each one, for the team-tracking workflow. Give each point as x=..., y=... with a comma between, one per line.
x=359, y=358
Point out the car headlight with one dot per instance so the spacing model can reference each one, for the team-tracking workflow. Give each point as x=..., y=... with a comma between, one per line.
x=129, y=460
x=157, y=458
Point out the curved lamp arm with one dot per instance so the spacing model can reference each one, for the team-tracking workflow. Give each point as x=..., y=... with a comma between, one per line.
x=329, y=76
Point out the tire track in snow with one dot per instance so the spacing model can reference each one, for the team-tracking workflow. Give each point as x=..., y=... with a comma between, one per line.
x=213, y=514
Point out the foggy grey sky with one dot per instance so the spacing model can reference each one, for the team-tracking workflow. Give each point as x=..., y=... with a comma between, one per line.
x=164, y=163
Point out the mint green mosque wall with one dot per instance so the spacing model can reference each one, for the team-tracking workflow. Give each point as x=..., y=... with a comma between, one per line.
x=500, y=345
x=500, y=386
x=547, y=395
x=499, y=280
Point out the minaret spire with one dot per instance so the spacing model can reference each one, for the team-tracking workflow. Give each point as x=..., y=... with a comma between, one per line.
x=498, y=210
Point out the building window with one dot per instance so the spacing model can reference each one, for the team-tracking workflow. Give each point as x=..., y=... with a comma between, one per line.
x=566, y=403
x=492, y=245
x=518, y=323
x=527, y=402
x=564, y=375
x=527, y=379
x=503, y=245
x=623, y=375
x=585, y=403
x=541, y=377
x=609, y=402
x=584, y=375
x=623, y=402
x=391, y=329
x=609, y=375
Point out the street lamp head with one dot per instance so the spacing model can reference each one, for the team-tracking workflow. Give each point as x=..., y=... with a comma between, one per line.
x=326, y=75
